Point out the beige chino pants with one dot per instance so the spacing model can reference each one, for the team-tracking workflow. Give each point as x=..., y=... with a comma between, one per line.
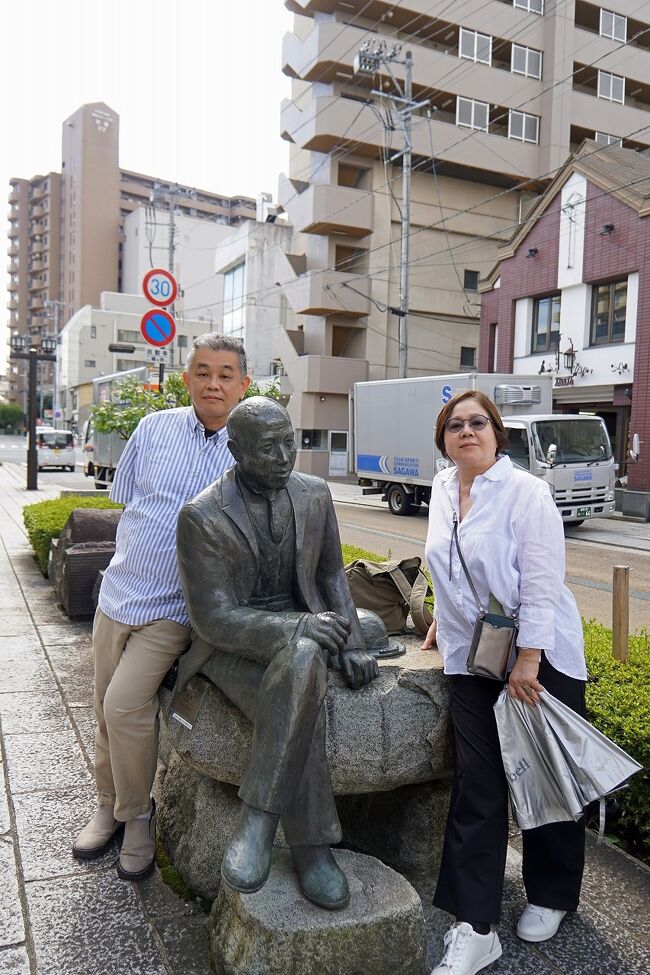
x=130, y=663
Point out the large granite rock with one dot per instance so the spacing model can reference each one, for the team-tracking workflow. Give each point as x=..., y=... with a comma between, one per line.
x=196, y=818
x=395, y=732
x=277, y=932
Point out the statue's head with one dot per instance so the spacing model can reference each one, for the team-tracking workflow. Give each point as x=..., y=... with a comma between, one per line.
x=261, y=439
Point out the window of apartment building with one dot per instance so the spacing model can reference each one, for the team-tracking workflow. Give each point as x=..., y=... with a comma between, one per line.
x=470, y=280
x=233, y=301
x=128, y=335
x=313, y=440
x=474, y=46
x=182, y=341
x=526, y=60
x=90, y=363
x=611, y=87
x=532, y=6
x=608, y=311
x=605, y=139
x=546, y=324
x=613, y=25
x=523, y=126
x=467, y=356
x=124, y=364
x=472, y=114
x=93, y=331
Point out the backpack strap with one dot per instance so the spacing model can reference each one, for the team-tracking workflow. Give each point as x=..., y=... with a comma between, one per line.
x=414, y=596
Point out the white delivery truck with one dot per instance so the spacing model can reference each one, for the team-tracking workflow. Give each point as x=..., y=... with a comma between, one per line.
x=393, y=425
x=103, y=450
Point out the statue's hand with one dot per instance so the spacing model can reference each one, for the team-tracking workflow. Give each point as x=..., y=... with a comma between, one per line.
x=359, y=668
x=328, y=629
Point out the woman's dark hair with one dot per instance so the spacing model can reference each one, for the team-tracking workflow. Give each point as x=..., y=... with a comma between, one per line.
x=490, y=410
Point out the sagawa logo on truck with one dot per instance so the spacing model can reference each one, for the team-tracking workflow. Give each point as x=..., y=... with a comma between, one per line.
x=384, y=464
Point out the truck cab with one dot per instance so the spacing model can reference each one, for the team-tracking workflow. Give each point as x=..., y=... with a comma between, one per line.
x=573, y=454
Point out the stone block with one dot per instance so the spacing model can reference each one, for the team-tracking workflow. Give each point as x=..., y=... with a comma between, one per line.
x=196, y=817
x=392, y=733
x=403, y=828
x=278, y=932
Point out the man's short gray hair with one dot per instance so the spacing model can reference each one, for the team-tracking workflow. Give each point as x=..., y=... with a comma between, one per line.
x=218, y=343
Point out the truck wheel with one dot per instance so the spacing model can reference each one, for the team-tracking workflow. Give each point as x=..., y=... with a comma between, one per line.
x=399, y=501
x=573, y=524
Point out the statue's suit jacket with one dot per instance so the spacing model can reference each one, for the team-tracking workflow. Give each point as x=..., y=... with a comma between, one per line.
x=218, y=556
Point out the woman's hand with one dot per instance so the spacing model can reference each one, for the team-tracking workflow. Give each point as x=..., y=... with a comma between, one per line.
x=523, y=683
x=429, y=642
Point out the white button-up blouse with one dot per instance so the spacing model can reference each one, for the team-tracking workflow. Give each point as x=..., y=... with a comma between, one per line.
x=512, y=540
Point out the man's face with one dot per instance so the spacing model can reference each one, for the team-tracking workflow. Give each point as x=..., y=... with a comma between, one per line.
x=215, y=385
x=266, y=453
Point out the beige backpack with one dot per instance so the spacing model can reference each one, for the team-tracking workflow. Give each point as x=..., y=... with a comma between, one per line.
x=392, y=589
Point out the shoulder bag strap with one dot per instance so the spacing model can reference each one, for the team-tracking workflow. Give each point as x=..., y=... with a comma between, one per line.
x=462, y=562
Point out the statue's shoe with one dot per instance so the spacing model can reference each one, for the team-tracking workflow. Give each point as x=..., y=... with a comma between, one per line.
x=247, y=860
x=321, y=879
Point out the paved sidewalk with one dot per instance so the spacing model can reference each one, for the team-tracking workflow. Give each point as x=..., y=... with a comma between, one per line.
x=59, y=916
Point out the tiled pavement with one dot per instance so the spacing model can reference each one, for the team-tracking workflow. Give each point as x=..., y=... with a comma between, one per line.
x=59, y=916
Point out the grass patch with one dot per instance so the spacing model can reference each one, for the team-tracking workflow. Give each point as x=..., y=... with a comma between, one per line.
x=45, y=520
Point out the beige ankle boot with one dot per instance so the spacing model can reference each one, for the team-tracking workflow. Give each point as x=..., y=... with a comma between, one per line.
x=96, y=836
x=138, y=852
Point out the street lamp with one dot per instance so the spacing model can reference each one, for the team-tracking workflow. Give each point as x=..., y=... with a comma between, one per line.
x=48, y=347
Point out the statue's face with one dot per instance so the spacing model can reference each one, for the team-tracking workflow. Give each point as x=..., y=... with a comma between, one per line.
x=266, y=453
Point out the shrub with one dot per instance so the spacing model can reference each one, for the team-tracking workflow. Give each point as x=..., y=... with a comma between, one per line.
x=45, y=520
x=618, y=702
x=351, y=553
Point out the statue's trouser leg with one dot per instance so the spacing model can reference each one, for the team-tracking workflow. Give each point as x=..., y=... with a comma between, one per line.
x=287, y=773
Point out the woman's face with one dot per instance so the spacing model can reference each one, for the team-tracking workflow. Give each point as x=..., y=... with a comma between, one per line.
x=470, y=449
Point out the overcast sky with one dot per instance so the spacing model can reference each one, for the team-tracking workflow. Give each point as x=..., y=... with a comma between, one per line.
x=197, y=85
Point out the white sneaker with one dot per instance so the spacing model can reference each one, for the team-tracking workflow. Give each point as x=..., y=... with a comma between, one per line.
x=467, y=951
x=539, y=923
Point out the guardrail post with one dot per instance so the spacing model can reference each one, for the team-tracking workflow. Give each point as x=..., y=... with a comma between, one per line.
x=621, y=611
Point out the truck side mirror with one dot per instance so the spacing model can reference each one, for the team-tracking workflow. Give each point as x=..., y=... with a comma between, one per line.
x=551, y=453
x=636, y=448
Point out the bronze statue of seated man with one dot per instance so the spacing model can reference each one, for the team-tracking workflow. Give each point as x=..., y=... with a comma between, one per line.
x=262, y=572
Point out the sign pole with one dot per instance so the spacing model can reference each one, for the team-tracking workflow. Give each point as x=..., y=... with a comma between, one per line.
x=161, y=375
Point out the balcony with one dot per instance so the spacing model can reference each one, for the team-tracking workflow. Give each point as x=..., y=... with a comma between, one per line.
x=13, y=250
x=323, y=293
x=12, y=304
x=13, y=196
x=326, y=209
x=13, y=267
x=12, y=233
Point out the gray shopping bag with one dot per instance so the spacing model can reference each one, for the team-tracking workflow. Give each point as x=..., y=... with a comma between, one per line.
x=556, y=763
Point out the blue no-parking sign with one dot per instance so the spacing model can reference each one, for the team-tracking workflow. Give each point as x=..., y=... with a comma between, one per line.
x=157, y=327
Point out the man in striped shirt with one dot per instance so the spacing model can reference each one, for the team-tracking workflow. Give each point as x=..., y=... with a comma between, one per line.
x=141, y=625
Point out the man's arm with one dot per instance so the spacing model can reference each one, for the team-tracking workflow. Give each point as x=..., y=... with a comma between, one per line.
x=124, y=481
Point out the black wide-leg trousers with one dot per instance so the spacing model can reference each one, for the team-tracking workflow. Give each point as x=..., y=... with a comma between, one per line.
x=470, y=883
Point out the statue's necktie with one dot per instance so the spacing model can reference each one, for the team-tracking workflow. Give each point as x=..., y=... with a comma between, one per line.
x=275, y=519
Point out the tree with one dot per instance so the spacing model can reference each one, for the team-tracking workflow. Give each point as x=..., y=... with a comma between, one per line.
x=131, y=400
x=11, y=417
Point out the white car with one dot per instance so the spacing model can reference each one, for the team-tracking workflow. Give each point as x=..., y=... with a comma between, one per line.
x=55, y=448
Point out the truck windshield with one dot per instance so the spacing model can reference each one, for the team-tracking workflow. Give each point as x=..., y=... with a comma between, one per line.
x=577, y=441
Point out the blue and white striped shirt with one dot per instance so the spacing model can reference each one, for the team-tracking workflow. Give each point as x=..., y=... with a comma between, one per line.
x=165, y=464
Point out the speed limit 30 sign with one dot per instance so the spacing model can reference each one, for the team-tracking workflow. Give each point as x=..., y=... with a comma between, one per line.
x=160, y=287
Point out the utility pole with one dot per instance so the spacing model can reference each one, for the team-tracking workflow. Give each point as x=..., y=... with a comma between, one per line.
x=169, y=193
x=54, y=307
x=372, y=57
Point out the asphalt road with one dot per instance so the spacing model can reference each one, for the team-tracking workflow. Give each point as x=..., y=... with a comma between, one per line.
x=588, y=564
x=588, y=561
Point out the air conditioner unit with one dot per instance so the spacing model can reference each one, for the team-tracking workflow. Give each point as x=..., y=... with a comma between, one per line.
x=506, y=395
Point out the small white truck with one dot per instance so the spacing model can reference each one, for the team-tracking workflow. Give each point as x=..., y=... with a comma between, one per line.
x=393, y=425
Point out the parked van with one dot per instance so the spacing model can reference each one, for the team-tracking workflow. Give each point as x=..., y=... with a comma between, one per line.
x=55, y=448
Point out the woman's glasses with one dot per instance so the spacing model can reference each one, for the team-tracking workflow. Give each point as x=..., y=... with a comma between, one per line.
x=478, y=422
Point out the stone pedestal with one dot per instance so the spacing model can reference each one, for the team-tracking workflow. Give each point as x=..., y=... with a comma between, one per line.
x=390, y=753
x=278, y=932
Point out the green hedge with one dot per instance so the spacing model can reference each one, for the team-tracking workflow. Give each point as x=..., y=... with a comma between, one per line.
x=618, y=702
x=45, y=520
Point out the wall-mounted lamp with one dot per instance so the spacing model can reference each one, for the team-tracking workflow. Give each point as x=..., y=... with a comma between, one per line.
x=608, y=228
x=532, y=252
x=569, y=357
x=322, y=399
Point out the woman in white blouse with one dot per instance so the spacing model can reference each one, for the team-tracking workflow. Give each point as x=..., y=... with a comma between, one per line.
x=512, y=540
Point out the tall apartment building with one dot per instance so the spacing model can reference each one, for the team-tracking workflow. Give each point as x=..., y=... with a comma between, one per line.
x=66, y=229
x=512, y=87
